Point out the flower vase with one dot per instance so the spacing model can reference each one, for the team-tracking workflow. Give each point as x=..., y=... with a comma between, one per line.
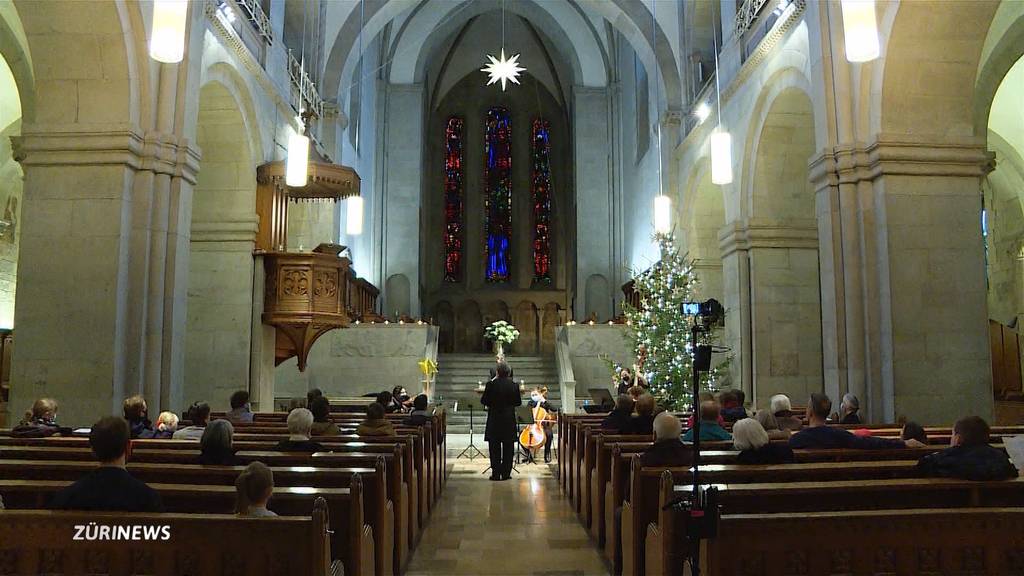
x=498, y=348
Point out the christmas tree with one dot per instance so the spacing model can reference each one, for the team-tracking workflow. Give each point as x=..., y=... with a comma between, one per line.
x=660, y=332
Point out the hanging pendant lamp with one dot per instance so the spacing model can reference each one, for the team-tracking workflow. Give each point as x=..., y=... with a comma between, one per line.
x=167, y=38
x=860, y=28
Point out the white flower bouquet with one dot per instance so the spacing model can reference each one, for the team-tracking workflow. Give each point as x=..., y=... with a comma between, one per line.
x=501, y=332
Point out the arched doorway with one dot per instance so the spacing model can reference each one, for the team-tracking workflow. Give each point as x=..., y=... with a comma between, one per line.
x=220, y=304
x=785, y=295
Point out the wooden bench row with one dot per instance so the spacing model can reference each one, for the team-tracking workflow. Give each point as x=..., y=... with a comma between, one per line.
x=57, y=542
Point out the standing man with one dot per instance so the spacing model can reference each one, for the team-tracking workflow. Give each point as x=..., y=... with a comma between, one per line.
x=499, y=359
x=501, y=396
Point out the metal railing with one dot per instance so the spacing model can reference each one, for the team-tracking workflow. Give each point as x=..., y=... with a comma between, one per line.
x=305, y=95
x=746, y=15
x=257, y=17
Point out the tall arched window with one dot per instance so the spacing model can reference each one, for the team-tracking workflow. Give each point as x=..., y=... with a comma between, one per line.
x=541, y=194
x=498, y=194
x=453, y=200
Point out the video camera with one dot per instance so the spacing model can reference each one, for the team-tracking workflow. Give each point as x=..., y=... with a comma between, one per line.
x=705, y=314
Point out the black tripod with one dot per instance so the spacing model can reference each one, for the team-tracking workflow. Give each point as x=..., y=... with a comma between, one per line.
x=470, y=451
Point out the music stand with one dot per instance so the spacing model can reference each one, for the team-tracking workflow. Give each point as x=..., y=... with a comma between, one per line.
x=601, y=396
x=470, y=451
x=524, y=416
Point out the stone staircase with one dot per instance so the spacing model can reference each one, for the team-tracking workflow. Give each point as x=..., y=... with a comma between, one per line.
x=458, y=375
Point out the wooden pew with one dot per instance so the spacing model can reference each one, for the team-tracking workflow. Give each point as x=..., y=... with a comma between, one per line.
x=44, y=541
x=392, y=552
x=320, y=470
x=856, y=542
x=352, y=541
x=414, y=473
x=860, y=485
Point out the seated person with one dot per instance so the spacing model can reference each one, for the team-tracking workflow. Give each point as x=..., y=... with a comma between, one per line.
x=539, y=397
x=166, y=425
x=667, y=449
x=848, y=409
x=751, y=439
x=914, y=431
x=782, y=409
x=419, y=415
x=643, y=422
x=705, y=397
x=771, y=425
x=618, y=419
x=109, y=487
x=732, y=405
x=322, y=424
x=253, y=489
x=215, y=447
x=240, y=410
x=199, y=414
x=300, y=421
x=970, y=456
x=375, y=424
x=137, y=414
x=312, y=395
x=39, y=422
x=710, y=429
x=818, y=434
x=400, y=398
x=387, y=401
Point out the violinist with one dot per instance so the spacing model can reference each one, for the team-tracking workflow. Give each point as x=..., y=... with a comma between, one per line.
x=539, y=398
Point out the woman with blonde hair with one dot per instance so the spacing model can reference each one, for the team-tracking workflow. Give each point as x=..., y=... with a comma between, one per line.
x=40, y=421
x=254, y=486
x=751, y=439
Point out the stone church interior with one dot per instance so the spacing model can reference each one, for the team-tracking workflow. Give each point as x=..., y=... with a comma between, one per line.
x=511, y=287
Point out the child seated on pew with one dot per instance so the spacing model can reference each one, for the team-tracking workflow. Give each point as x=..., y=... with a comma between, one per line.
x=970, y=457
x=254, y=486
x=166, y=425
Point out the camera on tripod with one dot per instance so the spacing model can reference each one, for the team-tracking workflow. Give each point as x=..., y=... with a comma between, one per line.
x=706, y=316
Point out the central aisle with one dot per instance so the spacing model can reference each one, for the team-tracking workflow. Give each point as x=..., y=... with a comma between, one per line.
x=522, y=526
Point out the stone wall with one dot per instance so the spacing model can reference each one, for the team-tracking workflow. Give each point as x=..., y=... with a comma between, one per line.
x=357, y=360
x=587, y=345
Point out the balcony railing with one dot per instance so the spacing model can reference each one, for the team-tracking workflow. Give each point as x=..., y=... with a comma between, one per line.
x=305, y=95
x=746, y=15
x=257, y=17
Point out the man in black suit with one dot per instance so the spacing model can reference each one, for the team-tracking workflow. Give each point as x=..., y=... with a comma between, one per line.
x=109, y=487
x=501, y=396
x=500, y=358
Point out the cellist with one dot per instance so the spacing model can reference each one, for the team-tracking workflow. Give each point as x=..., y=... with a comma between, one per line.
x=539, y=399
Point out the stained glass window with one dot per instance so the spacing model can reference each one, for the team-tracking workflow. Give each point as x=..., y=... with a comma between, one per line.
x=541, y=188
x=498, y=194
x=453, y=200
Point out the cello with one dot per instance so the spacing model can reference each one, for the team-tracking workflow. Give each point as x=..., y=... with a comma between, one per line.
x=533, y=437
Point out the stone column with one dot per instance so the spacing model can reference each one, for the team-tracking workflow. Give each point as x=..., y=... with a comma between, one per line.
x=83, y=295
x=910, y=293
x=595, y=220
x=402, y=185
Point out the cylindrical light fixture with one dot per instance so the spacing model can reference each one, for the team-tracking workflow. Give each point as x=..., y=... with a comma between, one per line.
x=354, y=217
x=167, y=38
x=662, y=214
x=297, y=168
x=721, y=157
x=861, y=30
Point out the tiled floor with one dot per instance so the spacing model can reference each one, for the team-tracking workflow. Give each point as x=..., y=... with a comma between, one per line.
x=522, y=526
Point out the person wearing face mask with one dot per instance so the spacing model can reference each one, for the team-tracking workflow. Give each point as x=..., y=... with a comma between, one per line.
x=539, y=398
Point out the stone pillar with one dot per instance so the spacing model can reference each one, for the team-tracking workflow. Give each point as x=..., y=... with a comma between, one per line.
x=736, y=301
x=84, y=292
x=402, y=183
x=910, y=296
x=779, y=310
x=595, y=219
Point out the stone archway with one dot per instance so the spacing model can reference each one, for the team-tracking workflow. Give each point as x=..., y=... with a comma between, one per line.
x=220, y=295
